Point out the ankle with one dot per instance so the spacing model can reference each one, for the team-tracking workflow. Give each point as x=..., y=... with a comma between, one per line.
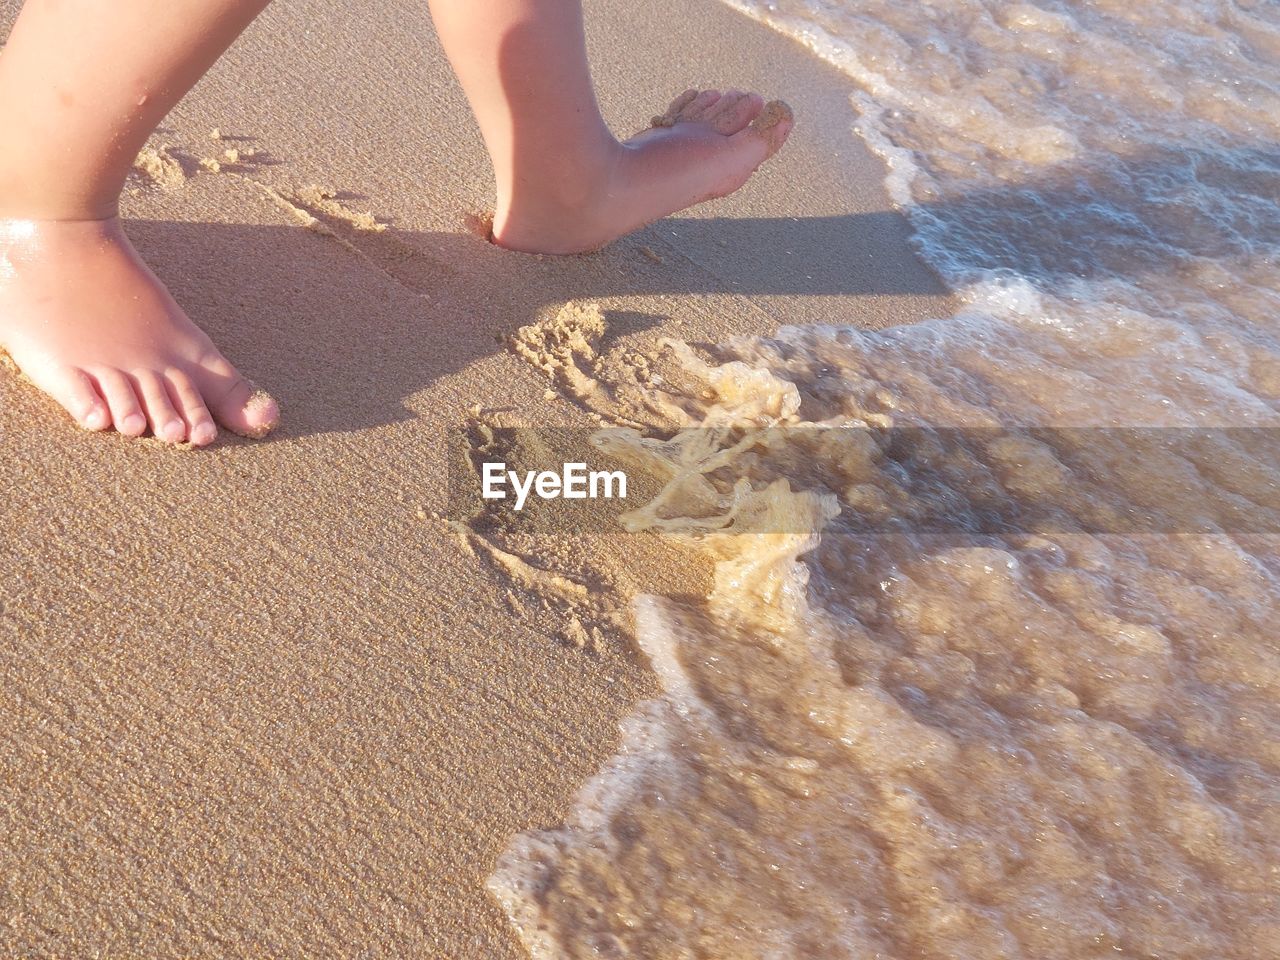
x=16, y=206
x=26, y=195
x=571, y=184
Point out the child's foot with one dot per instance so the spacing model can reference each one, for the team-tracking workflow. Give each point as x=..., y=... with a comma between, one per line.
x=706, y=145
x=85, y=319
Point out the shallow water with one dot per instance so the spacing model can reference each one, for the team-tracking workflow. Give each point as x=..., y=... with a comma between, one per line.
x=1008, y=688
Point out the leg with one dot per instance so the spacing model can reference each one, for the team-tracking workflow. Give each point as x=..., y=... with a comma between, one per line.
x=565, y=184
x=82, y=84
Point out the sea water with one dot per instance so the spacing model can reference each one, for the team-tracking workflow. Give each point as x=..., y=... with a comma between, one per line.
x=990, y=668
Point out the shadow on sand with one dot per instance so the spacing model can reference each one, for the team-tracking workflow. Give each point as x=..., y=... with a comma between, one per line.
x=344, y=330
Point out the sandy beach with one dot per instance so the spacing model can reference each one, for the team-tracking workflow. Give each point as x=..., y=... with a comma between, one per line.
x=270, y=699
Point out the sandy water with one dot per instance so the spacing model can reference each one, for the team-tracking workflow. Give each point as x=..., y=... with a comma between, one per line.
x=990, y=668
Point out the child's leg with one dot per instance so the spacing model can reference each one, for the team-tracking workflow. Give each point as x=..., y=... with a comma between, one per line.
x=82, y=84
x=564, y=183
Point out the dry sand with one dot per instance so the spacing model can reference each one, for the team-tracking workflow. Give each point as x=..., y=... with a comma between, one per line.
x=264, y=699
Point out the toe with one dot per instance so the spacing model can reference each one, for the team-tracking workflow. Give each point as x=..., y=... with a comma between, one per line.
x=732, y=117
x=235, y=402
x=79, y=397
x=126, y=411
x=166, y=423
x=752, y=146
x=673, y=111
x=726, y=102
x=200, y=428
x=696, y=108
x=772, y=126
x=681, y=103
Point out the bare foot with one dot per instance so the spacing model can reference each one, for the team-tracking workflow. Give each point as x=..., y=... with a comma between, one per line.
x=706, y=145
x=85, y=319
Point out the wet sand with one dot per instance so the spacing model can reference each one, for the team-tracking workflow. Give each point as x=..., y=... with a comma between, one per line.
x=266, y=699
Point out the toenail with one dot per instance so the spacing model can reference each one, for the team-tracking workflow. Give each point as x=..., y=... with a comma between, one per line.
x=133, y=423
x=173, y=429
x=262, y=407
x=202, y=433
x=95, y=419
